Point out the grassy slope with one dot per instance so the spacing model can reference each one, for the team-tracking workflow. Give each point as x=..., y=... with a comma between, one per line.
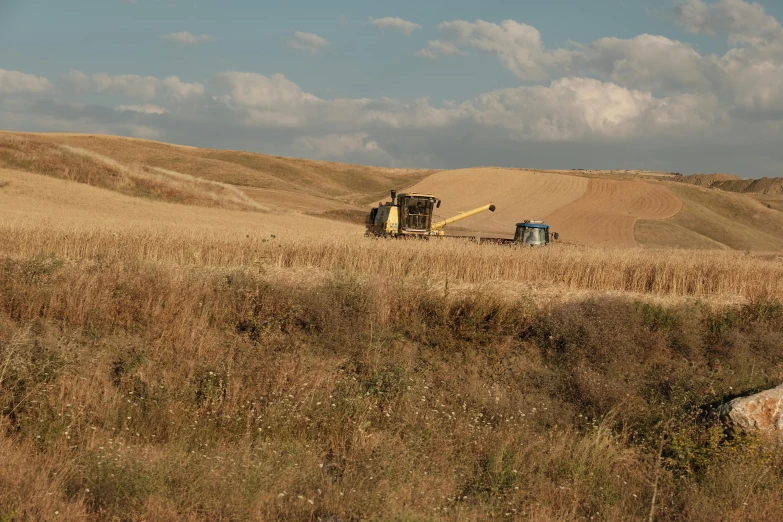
x=134, y=391
x=354, y=184
x=712, y=218
x=775, y=202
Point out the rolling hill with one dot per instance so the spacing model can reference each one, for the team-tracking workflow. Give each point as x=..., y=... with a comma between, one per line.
x=275, y=183
x=607, y=208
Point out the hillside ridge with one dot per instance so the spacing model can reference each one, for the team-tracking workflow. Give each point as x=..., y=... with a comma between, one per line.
x=611, y=208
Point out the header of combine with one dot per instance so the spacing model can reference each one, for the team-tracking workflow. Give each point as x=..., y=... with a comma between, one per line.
x=411, y=215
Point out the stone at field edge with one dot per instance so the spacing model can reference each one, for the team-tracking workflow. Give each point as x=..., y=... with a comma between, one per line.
x=760, y=413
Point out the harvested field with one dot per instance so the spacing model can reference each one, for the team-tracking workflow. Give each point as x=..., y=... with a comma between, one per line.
x=518, y=195
x=712, y=218
x=594, y=211
x=36, y=200
x=607, y=213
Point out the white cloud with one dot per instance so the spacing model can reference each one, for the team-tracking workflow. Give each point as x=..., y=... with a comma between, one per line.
x=146, y=88
x=694, y=15
x=747, y=24
x=569, y=108
x=131, y=85
x=583, y=108
x=12, y=82
x=518, y=46
x=178, y=90
x=143, y=109
x=435, y=48
x=188, y=38
x=643, y=62
x=265, y=100
x=747, y=77
x=396, y=24
x=256, y=90
x=308, y=42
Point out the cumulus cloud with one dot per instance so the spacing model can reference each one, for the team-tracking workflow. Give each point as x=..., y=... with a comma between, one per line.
x=643, y=62
x=518, y=46
x=569, y=108
x=395, y=24
x=436, y=48
x=178, y=90
x=265, y=100
x=146, y=88
x=583, y=108
x=12, y=82
x=747, y=76
x=131, y=85
x=308, y=42
x=188, y=38
x=746, y=23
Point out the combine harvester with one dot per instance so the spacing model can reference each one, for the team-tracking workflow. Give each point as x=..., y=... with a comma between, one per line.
x=410, y=215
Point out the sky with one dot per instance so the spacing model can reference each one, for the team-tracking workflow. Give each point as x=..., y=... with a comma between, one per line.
x=675, y=85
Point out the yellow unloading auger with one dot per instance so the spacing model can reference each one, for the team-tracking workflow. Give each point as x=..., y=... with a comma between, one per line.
x=410, y=215
x=462, y=215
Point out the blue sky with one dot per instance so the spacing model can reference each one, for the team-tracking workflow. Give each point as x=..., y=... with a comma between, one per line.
x=447, y=83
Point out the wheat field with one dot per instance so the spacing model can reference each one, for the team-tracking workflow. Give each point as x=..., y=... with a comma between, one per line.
x=657, y=272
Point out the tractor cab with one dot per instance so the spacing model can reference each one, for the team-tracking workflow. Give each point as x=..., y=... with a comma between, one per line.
x=416, y=212
x=533, y=233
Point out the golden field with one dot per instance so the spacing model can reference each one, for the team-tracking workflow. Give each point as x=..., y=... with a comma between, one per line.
x=172, y=350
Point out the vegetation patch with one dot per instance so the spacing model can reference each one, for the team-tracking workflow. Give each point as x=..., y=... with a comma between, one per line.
x=251, y=397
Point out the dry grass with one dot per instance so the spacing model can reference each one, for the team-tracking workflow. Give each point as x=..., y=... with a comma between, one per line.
x=179, y=187
x=75, y=164
x=165, y=392
x=660, y=272
x=44, y=202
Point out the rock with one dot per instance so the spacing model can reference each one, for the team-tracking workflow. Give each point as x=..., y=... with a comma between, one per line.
x=760, y=413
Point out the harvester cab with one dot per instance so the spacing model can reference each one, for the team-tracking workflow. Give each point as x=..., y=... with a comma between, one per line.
x=534, y=233
x=411, y=215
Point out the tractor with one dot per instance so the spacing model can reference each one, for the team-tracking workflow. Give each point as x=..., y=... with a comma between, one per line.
x=534, y=233
x=529, y=233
